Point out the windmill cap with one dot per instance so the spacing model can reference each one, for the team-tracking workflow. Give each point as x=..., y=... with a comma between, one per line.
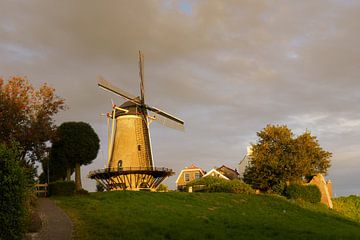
x=129, y=104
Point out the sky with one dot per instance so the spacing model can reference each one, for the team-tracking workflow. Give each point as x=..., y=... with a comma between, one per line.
x=227, y=68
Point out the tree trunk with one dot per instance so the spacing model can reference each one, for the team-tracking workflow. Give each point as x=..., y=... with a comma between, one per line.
x=68, y=174
x=77, y=177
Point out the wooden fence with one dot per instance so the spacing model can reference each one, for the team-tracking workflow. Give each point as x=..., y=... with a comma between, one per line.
x=41, y=189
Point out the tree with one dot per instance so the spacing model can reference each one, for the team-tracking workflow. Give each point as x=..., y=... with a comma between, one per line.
x=75, y=144
x=279, y=158
x=57, y=169
x=26, y=116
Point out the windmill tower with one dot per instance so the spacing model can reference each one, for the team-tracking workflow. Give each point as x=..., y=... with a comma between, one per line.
x=130, y=160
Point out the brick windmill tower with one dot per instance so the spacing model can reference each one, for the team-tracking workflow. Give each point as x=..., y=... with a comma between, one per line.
x=130, y=159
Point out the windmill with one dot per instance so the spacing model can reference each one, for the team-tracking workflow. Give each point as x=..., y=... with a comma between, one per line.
x=130, y=160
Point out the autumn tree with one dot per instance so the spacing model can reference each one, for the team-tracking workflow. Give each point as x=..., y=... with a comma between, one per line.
x=279, y=157
x=75, y=144
x=26, y=116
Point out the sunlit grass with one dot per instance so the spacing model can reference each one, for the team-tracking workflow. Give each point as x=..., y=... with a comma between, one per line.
x=146, y=215
x=348, y=206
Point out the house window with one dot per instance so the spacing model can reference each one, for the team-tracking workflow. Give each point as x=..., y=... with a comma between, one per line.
x=197, y=175
x=139, y=147
x=120, y=165
x=187, y=177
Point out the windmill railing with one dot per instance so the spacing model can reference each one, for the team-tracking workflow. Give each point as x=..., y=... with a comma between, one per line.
x=130, y=169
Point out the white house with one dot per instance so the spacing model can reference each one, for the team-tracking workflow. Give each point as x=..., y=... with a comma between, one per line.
x=245, y=162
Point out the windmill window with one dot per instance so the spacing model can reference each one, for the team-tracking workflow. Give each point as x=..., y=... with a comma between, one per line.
x=187, y=177
x=139, y=147
x=120, y=164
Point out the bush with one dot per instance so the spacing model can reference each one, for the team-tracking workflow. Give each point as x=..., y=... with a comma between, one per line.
x=100, y=187
x=82, y=192
x=279, y=188
x=162, y=188
x=13, y=195
x=308, y=193
x=62, y=188
x=215, y=184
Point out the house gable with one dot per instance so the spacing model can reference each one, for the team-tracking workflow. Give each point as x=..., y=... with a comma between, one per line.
x=215, y=173
x=228, y=172
x=324, y=187
x=245, y=161
x=192, y=172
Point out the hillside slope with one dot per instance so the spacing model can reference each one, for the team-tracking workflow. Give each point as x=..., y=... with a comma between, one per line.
x=348, y=206
x=145, y=215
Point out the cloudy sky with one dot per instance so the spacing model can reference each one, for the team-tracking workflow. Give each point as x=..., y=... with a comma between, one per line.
x=227, y=68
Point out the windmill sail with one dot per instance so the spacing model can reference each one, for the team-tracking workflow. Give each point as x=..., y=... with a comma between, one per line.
x=109, y=87
x=166, y=119
x=141, y=73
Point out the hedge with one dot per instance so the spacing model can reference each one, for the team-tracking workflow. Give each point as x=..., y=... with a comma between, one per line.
x=215, y=184
x=13, y=195
x=62, y=188
x=308, y=193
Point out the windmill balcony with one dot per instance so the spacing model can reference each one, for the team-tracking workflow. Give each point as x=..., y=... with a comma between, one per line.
x=131, y=178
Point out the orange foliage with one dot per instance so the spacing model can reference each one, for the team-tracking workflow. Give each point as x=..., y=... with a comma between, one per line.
x=26, y=114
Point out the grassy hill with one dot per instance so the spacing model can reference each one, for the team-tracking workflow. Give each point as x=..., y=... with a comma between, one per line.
x=348, y=206
x=174, y=215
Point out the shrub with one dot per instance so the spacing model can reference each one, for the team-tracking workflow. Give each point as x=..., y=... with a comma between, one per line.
x=162, y=188
x=62, y=188
x=308, y=193
x=13, y=195
x=82, y=192
x=279, y=188
x=100, y=187
x=215, y=184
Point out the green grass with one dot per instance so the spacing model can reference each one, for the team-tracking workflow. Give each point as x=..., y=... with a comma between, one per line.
x=174, y=215
x=348, y=206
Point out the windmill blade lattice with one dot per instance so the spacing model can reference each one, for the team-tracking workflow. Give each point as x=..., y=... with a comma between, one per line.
x=109, y=87
x=166, y=119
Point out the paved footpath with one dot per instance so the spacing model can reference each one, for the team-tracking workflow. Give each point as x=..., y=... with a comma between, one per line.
x=56, y=224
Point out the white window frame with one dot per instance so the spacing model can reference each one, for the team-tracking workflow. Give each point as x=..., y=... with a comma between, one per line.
x=188, y=177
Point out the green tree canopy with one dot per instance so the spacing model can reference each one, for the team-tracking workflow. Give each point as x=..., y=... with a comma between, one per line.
x=75, y=144
x=279, y=157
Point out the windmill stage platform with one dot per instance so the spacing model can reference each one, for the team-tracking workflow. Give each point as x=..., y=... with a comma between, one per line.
x=131, y=178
